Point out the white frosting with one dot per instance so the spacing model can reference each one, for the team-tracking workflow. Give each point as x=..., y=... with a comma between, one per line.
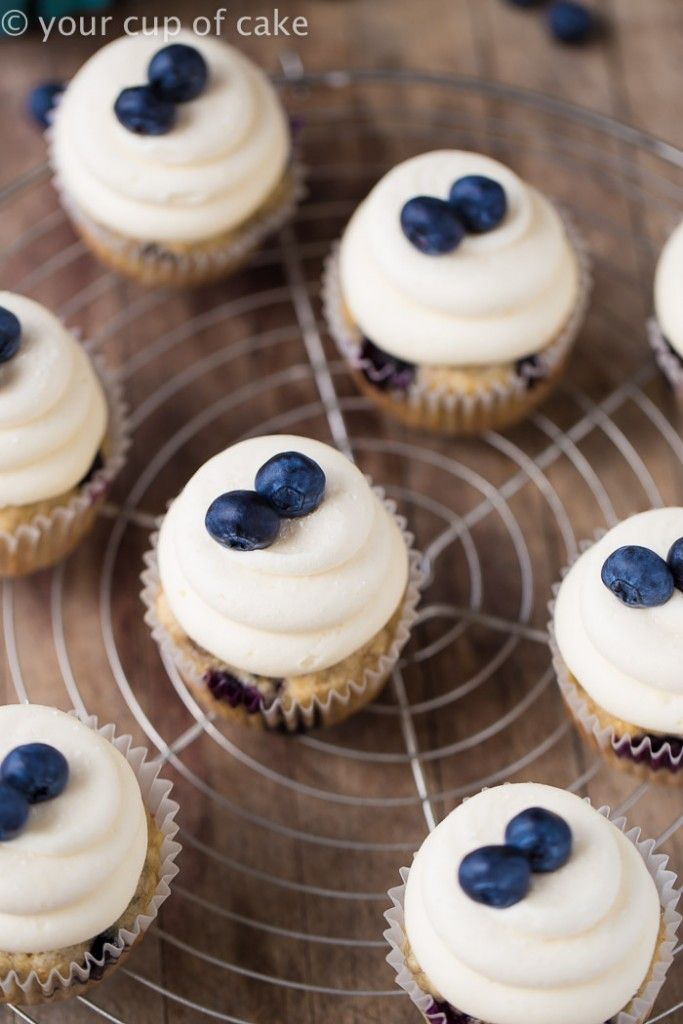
x=53, y=412
x=669, y=290
x=325, y=587
x=224, y=156
x=627, y=659
x=496, y=298
x=75, y=867
x=577, y=947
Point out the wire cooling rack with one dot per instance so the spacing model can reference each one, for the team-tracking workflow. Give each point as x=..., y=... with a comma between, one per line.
x=291, y=843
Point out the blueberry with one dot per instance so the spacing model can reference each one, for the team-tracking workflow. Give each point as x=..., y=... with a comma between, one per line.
x=242, y=520
x=140, y=110
x=480, y=202
x=10, y=335
x=498, y=876
x=432, y=225
x=638, y=577
x=570, y=22
x=36, y=770
x=41, y=101
x=383, y=371
x=292, y=483
x=178, y=73
x=13, y=812
x=545, y=838
x=675, y=562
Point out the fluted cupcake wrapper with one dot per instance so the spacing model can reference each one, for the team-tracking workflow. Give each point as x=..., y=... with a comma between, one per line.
x=668, y=361
x=156, y=796
x=336, y=704
x=156, y=265
x=635, y=753
x=488, y=404
x=640, y=1006
x=49, y=537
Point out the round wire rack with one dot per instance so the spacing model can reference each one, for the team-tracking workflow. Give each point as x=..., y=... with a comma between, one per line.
x=292, y=843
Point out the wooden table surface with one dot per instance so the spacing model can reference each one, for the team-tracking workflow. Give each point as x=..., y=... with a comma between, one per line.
x=290, y=844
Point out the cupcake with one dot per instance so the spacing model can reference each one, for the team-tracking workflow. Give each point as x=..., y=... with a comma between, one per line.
x=62, y=437
x=282, y=585
x=86, y=852
x=528, y=906
x=173, y=162
x=666, y=328
x=455, y=293
x=617, y=641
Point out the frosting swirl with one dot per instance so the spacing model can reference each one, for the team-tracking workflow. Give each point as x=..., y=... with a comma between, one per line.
x=326, y=586
x=53, y=412
x=627, y=659
x=668, y=291
x=583, y=937
x=75, y=868
x=496, y=298
x=225, y=155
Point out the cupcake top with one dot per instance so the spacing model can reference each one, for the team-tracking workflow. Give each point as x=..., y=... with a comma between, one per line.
x=627, y=656
x=219, y=160
x=583, y=936
x=319, y=586
x=668, y=291
x=73, y=867
x=53, y=411
x=501, y=293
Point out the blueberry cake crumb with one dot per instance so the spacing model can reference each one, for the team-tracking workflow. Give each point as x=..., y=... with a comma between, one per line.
x=97, y=465
x=97, y=951
x=664, y=752
x=444, y=1013
x=385, y=372
x=224, y=686
x=532, y=370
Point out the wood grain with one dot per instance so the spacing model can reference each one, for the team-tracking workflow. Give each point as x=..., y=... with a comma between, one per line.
x=291, y=844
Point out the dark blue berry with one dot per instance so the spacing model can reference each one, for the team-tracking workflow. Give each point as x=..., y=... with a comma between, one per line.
x=178, y=73
x=480, y=202
x=13, y=812
x=292, y=483
x=545, y=838
x=36, y=770
x=570, y=22
x=242, y=520
x=385, y=372
x=41, y=101
x=10, y=335
x=675, y=562
x=140, y=110
x=532, y=370
x=431, y=225
x=638, y=576
x=498, y=876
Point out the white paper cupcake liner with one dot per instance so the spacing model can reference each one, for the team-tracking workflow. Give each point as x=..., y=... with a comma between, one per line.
x=335, y=704
x=47, y=538
x=156, y=796
x=195, y=264
x=668, y=361
x=632, y=751
x=637, y=1010
x=492, y=401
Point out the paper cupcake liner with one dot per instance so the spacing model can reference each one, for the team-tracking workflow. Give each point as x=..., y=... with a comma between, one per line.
x=156, y=797
x=637, y=1010
x=49, y=537
x=153, y=264
x=669, y=362
x=337, y=704
x=630, y=752
x=487, y=404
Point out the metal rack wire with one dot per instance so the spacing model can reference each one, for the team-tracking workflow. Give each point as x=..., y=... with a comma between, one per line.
x=344, y=808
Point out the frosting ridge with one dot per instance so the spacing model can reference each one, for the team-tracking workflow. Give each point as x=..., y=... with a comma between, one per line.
x=324, y=588
x=668, y=291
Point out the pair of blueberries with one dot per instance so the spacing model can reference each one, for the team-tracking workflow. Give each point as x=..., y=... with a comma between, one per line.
x=176, y=74
x=30, y=774
x=641, y=578
x=436, y=226
x=536, y=840
x=288, y=486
